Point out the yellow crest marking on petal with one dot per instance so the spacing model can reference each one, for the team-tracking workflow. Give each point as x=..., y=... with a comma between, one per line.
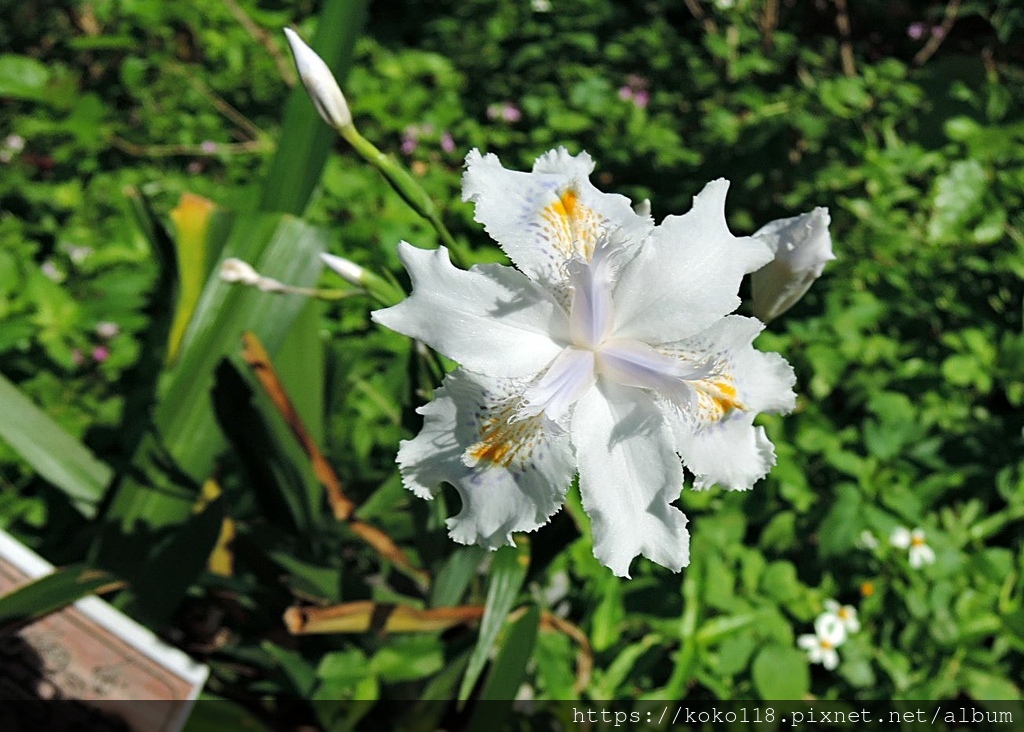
x=570, y=226
x=569, y=200
x=716, y=397
x=917, y=541
x=502, y=440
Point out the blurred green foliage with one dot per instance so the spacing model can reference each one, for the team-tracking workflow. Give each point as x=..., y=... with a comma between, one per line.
x=909, y=352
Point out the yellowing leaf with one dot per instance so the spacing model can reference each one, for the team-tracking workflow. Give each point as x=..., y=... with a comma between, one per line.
x=222, y=558
x=191, y=220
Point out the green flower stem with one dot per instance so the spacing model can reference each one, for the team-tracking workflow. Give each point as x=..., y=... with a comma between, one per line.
x=313, y=292
x=404, y=184
x=384, y=291
x=377, y=287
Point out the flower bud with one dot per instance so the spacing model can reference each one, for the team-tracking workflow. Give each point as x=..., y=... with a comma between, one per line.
x=235, y=270
x=347, y=270
x=802, y=246
x=320, y=83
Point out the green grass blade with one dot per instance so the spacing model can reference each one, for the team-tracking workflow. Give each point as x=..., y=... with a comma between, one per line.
x=174, y=558
x=141, y=381
x=301, y=363
x=509, y=667
x=506, y=674
x=51, y=451
x=279, y=473
x=51, y=593
x=456, y=575
x=507, y=574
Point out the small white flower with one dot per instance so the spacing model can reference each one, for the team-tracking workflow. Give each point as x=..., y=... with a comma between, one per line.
x=802, y=247
x=235, y=270
x=900, y=537
x=78, y=254
x=320, y=83
x=609, y=351
x=12, y=145
x=107, y=330
x=920, y=553
x=821, y=645
x=867, y=540
x=52, y=272
x=541, y=6
x=347, y=270
x=845, y=615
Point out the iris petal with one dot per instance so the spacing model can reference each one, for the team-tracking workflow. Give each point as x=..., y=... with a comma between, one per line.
x=633, y=363
x=570, y=376
x=520, y=470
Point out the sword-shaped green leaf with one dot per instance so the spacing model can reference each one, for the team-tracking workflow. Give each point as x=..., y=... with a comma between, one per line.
x=180, y=451
x=53, y=592
x=53, y=453
x=506, y=577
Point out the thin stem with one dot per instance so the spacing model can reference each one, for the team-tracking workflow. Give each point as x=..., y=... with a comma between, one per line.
x=769, y=19
x=261, y=36
x=220, y=103
x=404, y=185
x=936, y=39
x=698, y=12
x=252, y=147
x=845, y=46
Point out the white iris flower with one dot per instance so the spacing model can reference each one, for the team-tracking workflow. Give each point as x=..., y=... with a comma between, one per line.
x=610, y=351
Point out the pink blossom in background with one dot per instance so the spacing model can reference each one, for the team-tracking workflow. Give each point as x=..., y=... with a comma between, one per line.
x=447, y=143
x=635, y=90
x=77, y=357
x=506, y=111
x=100, y=354
x=208, y=146
x=410, y=139
x=915, y=31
